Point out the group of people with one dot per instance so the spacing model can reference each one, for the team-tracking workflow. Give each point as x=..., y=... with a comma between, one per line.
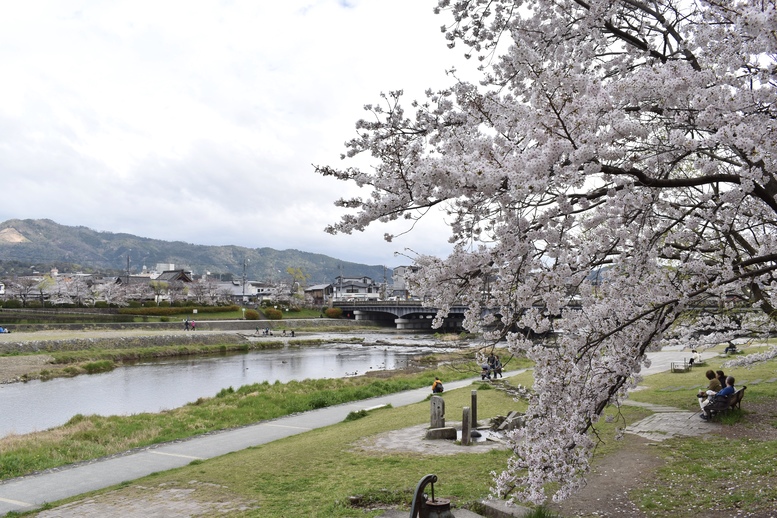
x=268, y=332
x=492, y=367
x=189, y=324
x=719, y=385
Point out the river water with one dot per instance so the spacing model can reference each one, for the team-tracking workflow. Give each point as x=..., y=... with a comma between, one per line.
x=159, y=385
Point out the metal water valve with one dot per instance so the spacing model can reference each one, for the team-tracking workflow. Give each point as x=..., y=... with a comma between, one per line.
x=423, y=507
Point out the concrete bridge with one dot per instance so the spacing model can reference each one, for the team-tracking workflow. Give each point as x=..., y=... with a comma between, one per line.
x=403, y=314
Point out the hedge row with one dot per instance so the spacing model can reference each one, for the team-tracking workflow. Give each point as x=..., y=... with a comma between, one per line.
x=164, y=312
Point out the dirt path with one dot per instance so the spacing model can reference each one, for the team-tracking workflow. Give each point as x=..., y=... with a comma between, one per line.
x=14, y=368
x=606, y=493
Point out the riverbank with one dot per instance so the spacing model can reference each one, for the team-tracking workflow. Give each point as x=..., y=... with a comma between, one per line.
x=48, y=354
x=86, y=436
x=36, y=354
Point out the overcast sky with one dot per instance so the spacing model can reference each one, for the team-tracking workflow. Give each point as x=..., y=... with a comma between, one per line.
x=199, y=121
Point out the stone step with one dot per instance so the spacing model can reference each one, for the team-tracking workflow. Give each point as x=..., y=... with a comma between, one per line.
x=492, y=509
x=457, y=513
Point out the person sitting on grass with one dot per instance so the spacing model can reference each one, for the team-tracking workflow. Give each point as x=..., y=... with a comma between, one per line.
x=723, y=393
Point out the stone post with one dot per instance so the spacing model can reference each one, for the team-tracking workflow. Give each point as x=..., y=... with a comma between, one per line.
x=465, y=428
x=437, y=412
x=474, y=409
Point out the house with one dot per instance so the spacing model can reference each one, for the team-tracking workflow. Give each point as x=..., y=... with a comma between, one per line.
x=174, y=276
x=401, y=289
x=356, y=288
x=319, y=294
x=168, y=285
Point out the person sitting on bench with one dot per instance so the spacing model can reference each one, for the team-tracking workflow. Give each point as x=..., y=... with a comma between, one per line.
x=713, y=387
x=725, y=392
x=730, y=348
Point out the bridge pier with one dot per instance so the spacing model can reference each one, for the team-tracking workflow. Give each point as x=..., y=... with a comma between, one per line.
x=413, y=323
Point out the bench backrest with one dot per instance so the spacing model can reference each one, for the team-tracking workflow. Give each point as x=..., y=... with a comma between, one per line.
x=730, y=401
x=737, y=397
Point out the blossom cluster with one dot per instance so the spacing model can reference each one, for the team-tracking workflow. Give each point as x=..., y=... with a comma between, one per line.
x=610, y=182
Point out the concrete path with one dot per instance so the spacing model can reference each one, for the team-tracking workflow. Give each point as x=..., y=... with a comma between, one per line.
x=31, y=492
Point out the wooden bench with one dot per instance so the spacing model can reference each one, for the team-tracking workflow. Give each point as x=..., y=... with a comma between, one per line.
x=682, y=366
x=721, y=405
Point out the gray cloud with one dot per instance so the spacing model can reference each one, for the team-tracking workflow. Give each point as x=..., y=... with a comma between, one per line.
x=200, y=122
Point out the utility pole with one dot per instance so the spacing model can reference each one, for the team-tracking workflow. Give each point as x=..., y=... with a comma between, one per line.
x=244, y=279
x=128, y=265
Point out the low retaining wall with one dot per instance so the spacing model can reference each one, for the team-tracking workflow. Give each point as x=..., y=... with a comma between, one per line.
x=208, y=325
x=121, y=342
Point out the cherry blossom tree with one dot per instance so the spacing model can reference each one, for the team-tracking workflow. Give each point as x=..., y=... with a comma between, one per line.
x=613, y=174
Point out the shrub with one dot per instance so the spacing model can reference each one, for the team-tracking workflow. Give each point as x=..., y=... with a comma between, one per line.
x=252, y=314
x=13, y=304
x=358, y=414
x=333, y=312
x=273, y=314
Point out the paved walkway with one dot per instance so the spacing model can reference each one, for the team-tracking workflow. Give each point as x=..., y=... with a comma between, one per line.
x=31, y=492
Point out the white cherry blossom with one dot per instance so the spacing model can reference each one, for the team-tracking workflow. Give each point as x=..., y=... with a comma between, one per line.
x=613, y=174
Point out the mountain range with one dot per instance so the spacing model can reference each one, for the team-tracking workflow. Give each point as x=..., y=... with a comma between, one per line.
x=28, y=245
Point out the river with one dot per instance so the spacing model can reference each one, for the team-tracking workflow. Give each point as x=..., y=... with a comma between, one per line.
x=154, y=386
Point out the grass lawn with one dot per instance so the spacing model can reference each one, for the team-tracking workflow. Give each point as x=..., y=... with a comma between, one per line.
x=315, y=474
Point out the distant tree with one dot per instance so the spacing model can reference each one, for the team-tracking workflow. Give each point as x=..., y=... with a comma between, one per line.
x=112, y=293
x=23, y=287
x=199, y=290
x=43, y=286
x=224, y=295
x=299, y=280
x=615, y=166
x=160, y=289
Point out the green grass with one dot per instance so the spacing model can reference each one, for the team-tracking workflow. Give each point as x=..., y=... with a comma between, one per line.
x=679, y=389
x=89, y=437
x=315, y=474
x=713, y=473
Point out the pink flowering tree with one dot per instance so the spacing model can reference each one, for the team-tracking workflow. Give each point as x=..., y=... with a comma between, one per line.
x=612, y=175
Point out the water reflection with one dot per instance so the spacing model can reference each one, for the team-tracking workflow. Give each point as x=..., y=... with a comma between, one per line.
x=159, y=385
